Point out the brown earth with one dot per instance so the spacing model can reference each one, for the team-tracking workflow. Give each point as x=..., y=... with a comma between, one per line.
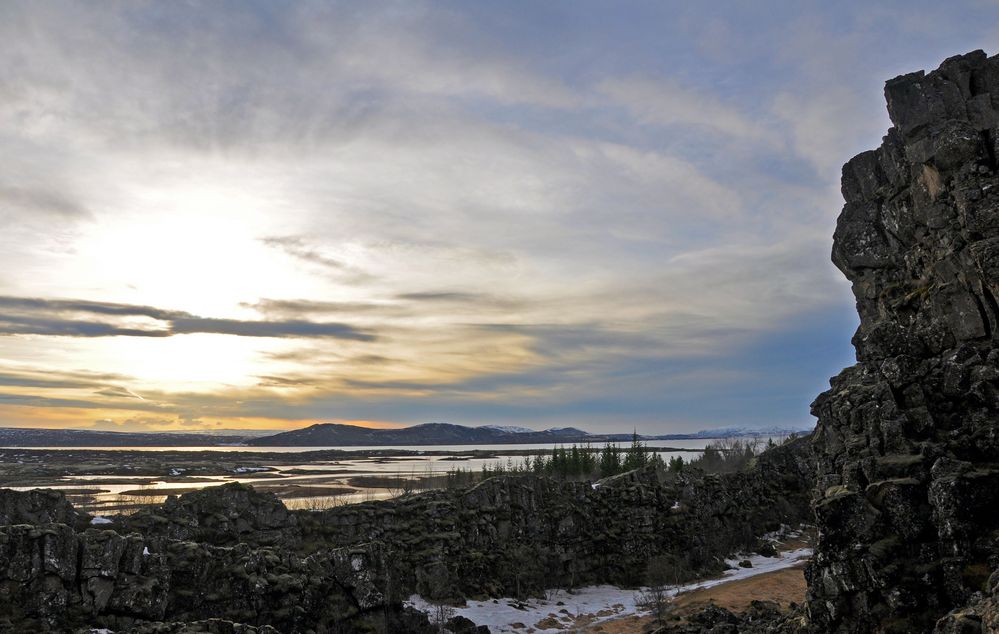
x=782, y=586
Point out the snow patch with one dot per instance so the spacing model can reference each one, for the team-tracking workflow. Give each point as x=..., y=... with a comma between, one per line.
x=602, y=602
x=145, y=551
x=509, y=429
x=98, y=520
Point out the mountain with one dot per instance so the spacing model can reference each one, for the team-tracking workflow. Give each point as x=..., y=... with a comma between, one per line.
x=340, y=435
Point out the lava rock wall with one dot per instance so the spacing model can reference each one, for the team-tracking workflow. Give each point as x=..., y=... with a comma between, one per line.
x=907, y=445
x=510, y=535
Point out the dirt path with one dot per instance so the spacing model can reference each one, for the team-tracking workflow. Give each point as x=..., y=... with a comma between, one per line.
x=782, y=586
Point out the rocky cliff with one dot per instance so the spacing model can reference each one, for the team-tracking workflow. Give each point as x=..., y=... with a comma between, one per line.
x=907, y=444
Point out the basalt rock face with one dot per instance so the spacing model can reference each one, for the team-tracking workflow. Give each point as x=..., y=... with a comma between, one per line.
x=224, y=515
x=980, y=614
x=510, y=535
x=54, y=578
x=907, y=446
x=37, y=506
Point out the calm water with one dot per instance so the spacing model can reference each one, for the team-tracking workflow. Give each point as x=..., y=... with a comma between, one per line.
x=679, y=444
x=414, y=467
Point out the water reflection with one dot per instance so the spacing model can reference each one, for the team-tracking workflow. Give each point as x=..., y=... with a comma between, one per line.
x=308, y=484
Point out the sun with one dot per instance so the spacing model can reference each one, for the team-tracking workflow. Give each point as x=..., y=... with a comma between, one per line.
x=193, y=247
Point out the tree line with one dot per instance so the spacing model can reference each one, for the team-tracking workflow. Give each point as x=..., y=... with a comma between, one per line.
x=586, y=463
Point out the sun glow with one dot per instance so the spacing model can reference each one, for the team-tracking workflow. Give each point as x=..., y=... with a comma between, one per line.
x=190, y=248
x=196, y=245
x=190, y=363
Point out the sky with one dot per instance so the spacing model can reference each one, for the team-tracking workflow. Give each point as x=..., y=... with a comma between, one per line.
x=611, y=215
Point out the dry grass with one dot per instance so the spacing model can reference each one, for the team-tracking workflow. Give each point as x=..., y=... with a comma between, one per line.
x=782, y=586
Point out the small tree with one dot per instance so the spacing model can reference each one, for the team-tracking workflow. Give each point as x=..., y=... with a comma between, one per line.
x=438, y=593
x=662, y=577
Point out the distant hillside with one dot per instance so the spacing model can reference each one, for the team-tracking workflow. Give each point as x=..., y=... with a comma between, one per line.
x=339, y=435
x=735, y=432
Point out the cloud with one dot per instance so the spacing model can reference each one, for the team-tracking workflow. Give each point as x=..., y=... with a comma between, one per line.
x=147, y=423
x=300, y=307
x=285, y=382
x=23, y=318
x=59, y=327
x=663, y=102
x=298, y=248
x=40, y=380
x=25, y=201
x=118, y=392
x=442, y=296
x=287, y=328
x=84, y=306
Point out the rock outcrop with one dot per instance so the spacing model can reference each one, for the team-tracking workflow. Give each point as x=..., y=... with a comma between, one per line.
x=38, y=506
x=907, y=444
x=55, y=579
x=228, y=514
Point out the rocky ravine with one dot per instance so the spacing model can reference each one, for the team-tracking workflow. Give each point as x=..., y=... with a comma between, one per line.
x=212, y=559
x=907, y=444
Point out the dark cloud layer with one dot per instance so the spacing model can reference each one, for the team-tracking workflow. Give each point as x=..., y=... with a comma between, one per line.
x=62, y=318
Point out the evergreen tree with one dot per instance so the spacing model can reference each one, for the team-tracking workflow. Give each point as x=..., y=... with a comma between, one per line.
x=575, y=465
x=610, y=461
x=589, y=462
x=637, y=455
x=563, y=463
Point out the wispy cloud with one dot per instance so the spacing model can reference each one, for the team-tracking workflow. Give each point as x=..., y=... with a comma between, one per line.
x=663, y=102
x=16, y=200
x=298, y=248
